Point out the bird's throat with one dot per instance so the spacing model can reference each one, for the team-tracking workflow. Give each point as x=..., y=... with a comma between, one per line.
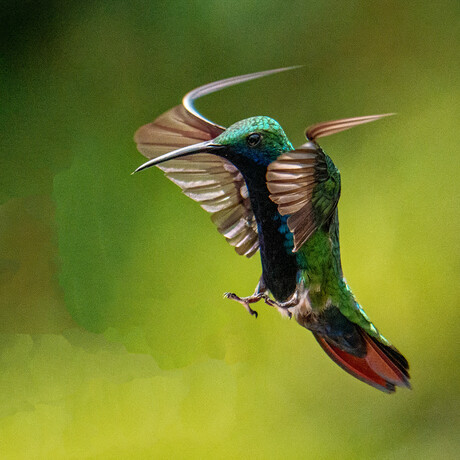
x=279, y=266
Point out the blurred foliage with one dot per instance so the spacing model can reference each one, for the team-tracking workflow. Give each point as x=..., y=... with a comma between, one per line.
x=115, y=341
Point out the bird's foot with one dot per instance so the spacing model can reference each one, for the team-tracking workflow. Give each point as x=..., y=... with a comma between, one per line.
x=245, y=301
x=282, y=307
x=278, y=305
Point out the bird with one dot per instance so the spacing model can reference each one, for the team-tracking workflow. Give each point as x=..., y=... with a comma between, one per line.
x=266, y=196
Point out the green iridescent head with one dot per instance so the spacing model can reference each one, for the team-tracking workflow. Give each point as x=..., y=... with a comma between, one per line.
x=261, y=139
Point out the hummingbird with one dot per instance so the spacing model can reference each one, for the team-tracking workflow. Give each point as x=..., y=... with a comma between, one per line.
x=265, y=195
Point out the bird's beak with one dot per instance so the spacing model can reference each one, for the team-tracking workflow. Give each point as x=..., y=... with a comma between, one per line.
x=202, y=147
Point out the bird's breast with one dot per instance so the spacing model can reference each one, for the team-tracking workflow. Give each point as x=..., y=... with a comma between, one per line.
x=279, y=264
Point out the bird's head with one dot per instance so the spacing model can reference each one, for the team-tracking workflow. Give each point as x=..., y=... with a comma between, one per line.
x=258, y=140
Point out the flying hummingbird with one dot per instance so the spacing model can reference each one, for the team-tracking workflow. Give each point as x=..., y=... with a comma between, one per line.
x=264, y=194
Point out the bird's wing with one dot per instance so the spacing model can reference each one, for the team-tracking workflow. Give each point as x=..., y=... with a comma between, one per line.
x=326, y=128
x=208, y=179
x=305, y=185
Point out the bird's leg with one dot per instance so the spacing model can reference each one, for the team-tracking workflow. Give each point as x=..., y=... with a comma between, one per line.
x=260, y=293
x=283, y=307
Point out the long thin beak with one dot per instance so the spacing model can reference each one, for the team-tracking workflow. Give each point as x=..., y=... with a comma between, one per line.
x=202, y=147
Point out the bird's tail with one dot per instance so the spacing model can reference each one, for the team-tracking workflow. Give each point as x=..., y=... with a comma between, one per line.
x=382, y=367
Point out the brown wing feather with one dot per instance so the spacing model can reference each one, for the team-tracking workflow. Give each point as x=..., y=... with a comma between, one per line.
x=305, y=184
x=174, y=129
x=207, y=179
x=326, y=128
x=220, y=189
x=292, y=181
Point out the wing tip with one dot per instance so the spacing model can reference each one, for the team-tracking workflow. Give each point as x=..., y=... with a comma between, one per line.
x=327, y=128
x=194, y=94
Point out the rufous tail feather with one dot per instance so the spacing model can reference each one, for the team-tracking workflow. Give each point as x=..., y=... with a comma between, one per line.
x=383, y=367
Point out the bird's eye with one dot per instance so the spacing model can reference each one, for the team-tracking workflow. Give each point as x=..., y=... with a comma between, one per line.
x=253, y=139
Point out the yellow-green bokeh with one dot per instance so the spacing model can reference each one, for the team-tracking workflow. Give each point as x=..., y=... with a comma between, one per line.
x=115, y=341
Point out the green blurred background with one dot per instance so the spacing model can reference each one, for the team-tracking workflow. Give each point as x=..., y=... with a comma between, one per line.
x=115, y=341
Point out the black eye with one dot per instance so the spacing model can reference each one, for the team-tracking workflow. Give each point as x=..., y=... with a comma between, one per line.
x=253, y=139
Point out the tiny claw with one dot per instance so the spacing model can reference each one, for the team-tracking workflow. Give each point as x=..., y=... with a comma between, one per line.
x=249, y=309
x=245, y=301
x=232, y=296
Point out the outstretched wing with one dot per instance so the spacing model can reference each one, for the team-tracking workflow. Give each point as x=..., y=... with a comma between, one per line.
x=208, y=179
x=305, y=184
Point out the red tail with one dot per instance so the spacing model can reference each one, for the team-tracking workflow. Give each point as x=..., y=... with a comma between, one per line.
x=383, y=367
